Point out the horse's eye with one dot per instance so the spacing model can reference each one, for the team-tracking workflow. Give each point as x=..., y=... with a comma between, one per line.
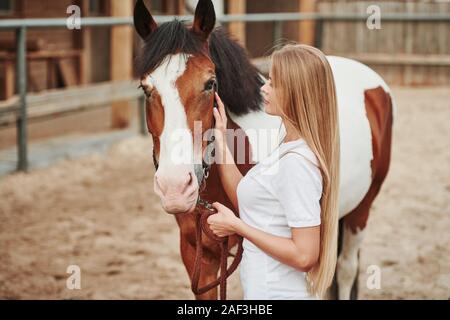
x=210, y=85
x=149, y=95
x=148, y=91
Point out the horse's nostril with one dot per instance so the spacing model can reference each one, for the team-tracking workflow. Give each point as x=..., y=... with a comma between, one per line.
x=190, y=180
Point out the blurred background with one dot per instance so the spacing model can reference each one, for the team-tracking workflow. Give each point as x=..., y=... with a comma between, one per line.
x=86, y=197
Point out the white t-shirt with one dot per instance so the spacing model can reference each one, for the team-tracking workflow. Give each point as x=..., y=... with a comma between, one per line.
x=281, y=192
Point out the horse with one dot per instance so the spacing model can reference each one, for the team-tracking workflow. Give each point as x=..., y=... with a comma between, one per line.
x=180, y=68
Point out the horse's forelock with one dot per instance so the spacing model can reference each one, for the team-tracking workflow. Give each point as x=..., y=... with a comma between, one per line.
x=170, y=38
x=239, y=81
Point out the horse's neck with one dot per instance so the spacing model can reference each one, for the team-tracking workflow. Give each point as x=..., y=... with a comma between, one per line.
x=253, y=121
x=264, y=132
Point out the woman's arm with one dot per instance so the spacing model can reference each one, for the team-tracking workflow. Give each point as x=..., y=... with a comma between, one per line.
x=228, y=171
x=300, y=252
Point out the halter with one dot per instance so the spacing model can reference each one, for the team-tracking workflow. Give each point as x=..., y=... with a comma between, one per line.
x=206, y=165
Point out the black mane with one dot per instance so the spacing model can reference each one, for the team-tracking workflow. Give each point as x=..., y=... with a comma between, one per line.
x=239, y=81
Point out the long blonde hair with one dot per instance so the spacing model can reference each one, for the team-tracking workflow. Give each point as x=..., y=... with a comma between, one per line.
x=306, y=95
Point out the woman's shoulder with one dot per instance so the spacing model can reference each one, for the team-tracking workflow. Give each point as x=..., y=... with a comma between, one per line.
x=290, y=159
x=299, y=162
x=294, y=164
x=298, y=147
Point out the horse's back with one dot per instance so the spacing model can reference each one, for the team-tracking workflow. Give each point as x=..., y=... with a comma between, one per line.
x=355, y=82
x=361, y=93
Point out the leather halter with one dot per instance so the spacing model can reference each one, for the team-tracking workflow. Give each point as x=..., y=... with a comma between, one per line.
x=206, y=163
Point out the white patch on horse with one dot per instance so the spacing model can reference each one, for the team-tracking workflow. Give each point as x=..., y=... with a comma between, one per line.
x=176, y=144
x=348, y=263
x=355, y=131
x=264, y=131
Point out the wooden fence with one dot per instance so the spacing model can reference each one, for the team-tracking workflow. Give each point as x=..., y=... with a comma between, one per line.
x=403, y=52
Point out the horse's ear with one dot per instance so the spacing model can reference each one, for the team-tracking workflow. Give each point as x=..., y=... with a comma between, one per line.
x=143, y=20
x=205, y=19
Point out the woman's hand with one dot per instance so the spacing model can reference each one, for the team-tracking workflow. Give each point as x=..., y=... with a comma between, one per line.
x=220, y=117
x=224, y=222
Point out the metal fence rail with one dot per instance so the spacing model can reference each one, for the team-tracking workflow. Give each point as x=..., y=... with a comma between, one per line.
x=21, y=26
x=252, y=17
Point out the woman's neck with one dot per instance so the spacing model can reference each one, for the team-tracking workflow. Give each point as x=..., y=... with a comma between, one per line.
x=291, y=133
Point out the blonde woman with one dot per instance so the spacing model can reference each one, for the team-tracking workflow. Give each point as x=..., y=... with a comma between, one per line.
x=288, y=219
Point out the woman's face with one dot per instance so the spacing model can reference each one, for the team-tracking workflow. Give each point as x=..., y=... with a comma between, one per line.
x=269, y=97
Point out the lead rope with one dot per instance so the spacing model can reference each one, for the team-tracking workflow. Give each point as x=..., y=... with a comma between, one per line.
x=202, y=226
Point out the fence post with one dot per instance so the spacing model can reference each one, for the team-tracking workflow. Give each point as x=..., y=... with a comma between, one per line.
x=237, y=28
x=318, y=30
x=121, y=61
x=21, y=64
x=277, y=31
x=306, y=27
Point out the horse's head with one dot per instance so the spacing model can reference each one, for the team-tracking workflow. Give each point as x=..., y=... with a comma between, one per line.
x=179, y=80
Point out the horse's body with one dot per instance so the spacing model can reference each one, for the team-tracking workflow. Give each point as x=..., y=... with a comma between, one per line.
x=365, y=116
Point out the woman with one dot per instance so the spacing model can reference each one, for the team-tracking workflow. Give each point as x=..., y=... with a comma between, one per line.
x=288, y=217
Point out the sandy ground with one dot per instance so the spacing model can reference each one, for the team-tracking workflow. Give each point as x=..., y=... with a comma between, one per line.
x=100, y=213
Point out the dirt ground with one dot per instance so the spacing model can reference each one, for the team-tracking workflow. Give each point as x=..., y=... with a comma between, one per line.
x=100, y=213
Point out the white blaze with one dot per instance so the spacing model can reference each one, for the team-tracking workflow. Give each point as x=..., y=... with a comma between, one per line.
x=176, y=144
